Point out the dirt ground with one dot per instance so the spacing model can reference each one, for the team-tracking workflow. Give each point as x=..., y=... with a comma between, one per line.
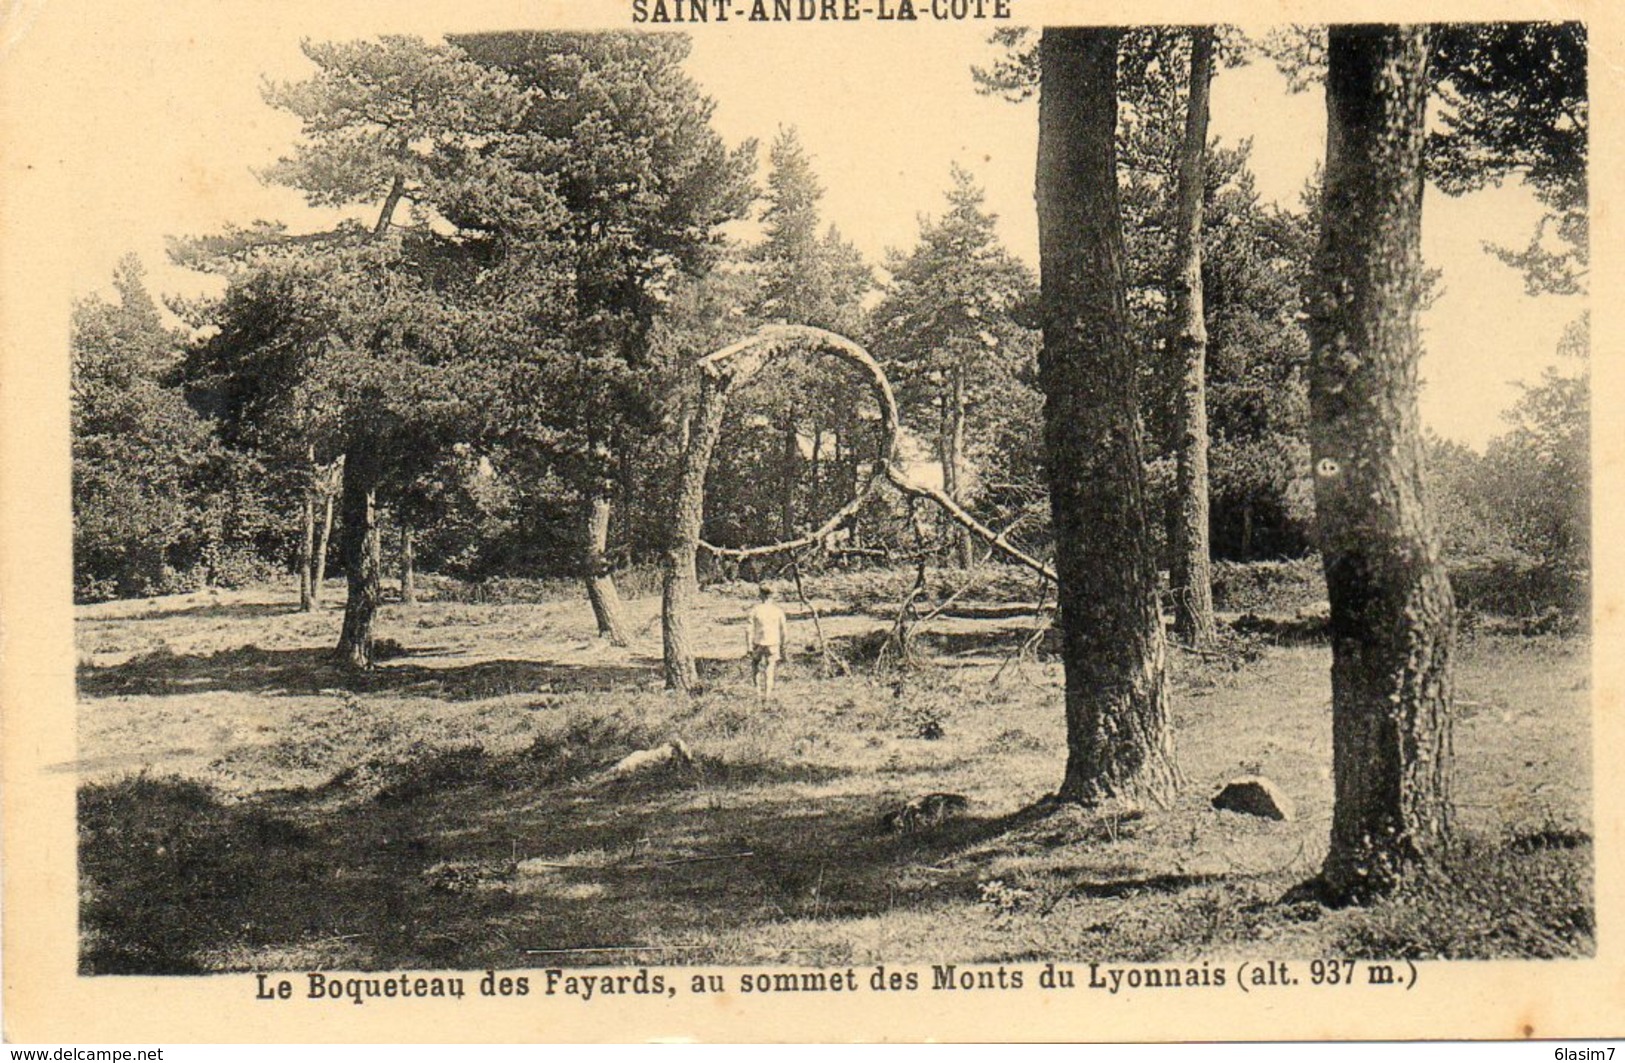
x=247, y=805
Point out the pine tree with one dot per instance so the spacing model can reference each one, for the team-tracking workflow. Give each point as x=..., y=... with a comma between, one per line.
x=1118, y=739
x=948, y=336
x=624, y=136
x=1392, y=614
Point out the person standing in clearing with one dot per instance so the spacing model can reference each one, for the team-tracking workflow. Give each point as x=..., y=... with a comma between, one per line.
x=765, y=630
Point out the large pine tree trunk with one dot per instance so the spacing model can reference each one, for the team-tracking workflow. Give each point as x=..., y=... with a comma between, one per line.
x=1118, y=739
x=601, y=592
x=359, y=546
x=409, y=590
x=1192, y=571
x=680, y=581
x=1392, y=612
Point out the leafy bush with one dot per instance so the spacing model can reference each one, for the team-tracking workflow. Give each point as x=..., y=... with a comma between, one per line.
x=159, y=505
x=1268, y=586
x=237, y=565
x=1519, y=586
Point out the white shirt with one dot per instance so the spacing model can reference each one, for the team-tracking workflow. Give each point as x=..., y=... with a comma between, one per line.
x=767, y=623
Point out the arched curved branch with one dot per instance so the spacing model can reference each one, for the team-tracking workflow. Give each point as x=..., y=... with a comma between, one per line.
x=720, y=373
x=817, y=535
x=956, y=513
x=737, y=363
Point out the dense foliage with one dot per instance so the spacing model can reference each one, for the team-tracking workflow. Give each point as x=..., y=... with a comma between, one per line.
x=159, y=505
x=544, y=231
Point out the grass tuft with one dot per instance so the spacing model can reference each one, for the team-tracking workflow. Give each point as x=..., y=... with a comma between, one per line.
x=1528, y=894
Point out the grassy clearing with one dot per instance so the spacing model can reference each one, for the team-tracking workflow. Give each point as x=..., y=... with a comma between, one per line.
x=247, y=806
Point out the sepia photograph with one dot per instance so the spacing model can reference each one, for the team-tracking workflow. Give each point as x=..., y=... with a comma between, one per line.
x=707, y=509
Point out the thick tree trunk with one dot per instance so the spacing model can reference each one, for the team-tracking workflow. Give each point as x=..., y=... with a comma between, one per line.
x=680, y=581
x=409, y=590
x=601, y=592
x=1192, y=571
x=1118, y=741
x=359, y=546
x=1392, y=612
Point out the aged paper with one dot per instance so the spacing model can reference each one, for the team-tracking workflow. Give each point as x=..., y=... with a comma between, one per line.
x=71, y=203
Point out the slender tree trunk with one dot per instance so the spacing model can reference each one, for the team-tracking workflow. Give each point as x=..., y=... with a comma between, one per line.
x=409, y=590
x=601, y=592
x=307, y=537
x=1392, y=612
x=392, y=199
x=1118, y=739
x=320, y=574
x=816, y=504
x=787, y=474
x=855, y=456
x=307, y=545
x=376, y=543
x=680, y=581
x=359, y=545
x=1192, y=569
x=953, y=463
x=846, y=469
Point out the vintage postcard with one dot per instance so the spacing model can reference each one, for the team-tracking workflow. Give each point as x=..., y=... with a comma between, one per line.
x=810, y=520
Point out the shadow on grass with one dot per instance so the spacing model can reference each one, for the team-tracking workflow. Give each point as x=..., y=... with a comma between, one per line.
x=252, y=670
x=1529, y=894
x=219, y=611
x=171, y=879
x=463, y=859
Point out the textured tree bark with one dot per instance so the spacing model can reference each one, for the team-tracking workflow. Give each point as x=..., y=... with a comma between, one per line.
x=1191, y=573
x=1392, y=612
x=409, y=590
x=1118, y=741
x=601, y=592
x=359, y=546
x=680, y=581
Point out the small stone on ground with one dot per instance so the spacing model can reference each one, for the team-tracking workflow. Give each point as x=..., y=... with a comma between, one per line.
x=1254, y=795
